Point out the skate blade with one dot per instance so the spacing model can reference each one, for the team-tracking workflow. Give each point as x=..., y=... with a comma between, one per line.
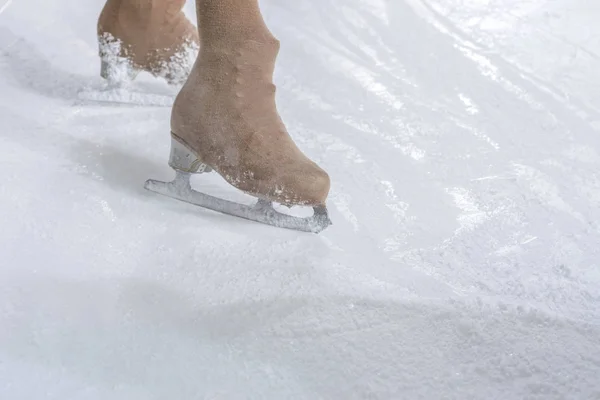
x=125, y=97
x=262, y=211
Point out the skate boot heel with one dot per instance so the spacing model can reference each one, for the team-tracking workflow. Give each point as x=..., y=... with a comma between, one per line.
x=183, y=159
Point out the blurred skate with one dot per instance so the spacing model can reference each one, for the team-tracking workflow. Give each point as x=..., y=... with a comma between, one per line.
x=134, y=36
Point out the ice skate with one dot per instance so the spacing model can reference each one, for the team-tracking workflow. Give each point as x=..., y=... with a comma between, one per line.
x=225, y=119
x=145, y=35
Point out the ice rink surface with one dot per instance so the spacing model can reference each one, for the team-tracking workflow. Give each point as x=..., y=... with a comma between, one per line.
x=463, y=143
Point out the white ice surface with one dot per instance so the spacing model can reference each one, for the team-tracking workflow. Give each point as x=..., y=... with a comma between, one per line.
x=462, y=141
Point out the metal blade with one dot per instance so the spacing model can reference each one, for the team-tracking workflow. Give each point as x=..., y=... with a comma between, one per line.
x=262, y=211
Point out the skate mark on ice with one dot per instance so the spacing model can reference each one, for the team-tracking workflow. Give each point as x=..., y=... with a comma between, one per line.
x=34, y=72
x=5, y=6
